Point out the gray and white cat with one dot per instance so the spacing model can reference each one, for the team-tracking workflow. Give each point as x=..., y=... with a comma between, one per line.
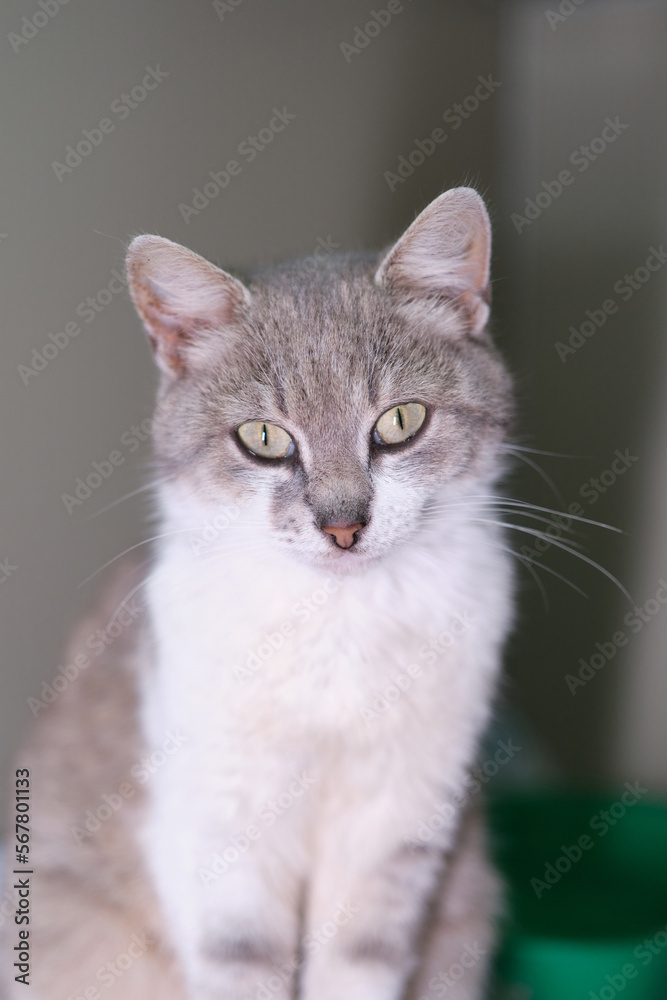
x=228, y=801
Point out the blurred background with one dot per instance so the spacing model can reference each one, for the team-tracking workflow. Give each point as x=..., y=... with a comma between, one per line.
x=115, y=117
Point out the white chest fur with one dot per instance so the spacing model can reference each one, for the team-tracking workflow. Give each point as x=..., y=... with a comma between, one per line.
x=266, y=649
x=271, y=672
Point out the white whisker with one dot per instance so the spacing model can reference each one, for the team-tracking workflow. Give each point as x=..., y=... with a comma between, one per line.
x=538, y=451
x=561, y=545
x=132, y=493
x=531, y=506
x=540, y=471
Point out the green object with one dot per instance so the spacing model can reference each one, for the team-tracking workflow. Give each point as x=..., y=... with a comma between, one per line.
x=587, y=881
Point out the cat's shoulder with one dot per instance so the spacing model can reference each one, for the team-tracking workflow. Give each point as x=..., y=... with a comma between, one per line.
x=93, y=691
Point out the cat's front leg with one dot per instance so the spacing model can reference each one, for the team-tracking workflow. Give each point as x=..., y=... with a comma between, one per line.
x=369, y=896
x=246, y=933
x=361, y=943
x=461, y=933
x=230, y=892
x=232, y=935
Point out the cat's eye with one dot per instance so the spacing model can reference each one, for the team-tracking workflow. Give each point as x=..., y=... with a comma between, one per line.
x=265, y=440
x=399, y=424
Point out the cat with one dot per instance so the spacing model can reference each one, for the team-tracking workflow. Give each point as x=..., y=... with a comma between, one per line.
x=229, y=800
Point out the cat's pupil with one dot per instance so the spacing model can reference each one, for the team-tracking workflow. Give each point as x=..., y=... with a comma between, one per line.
x=265, y=436
x=398, y=419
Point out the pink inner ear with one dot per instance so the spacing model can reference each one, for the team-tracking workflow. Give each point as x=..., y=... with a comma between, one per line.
x=166, y=334
x=193, y=305
x=441, y=262
x=180, y=296
x=445, y=254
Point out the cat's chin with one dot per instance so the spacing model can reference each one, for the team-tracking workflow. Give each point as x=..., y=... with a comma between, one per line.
x=346, y=563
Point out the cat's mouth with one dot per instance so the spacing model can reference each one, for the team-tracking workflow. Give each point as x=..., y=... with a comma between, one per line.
x=346, y=561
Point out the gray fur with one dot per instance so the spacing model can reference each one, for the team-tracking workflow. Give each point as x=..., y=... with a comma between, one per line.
x=323, y=355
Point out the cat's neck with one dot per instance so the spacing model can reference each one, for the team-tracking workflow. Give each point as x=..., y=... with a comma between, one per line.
x=227, y=565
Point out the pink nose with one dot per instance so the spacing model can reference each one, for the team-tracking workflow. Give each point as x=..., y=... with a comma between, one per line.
x=344, y=535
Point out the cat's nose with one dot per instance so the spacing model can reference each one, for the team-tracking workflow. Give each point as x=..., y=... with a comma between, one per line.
x=344, y=535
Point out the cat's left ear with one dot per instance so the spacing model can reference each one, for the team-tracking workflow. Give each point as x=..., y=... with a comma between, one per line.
x=184, y=301
x=445, y=254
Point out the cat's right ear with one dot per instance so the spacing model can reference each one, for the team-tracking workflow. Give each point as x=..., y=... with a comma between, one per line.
x=184, y=301
x=445, y=256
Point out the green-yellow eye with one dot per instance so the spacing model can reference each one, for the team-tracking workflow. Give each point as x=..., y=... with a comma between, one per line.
x=265, y=440
x=399, y=423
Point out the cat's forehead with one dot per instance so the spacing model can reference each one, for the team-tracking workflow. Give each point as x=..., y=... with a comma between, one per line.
x=305, y=317
x=335, y=340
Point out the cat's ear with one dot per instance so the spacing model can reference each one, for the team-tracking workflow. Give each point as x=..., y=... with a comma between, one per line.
x=445, y=254
x=182, y=299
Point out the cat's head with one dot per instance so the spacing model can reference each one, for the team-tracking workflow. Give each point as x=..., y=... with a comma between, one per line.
x=334, y=406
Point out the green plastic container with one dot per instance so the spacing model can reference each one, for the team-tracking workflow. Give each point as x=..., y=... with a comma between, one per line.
x=587, y=881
